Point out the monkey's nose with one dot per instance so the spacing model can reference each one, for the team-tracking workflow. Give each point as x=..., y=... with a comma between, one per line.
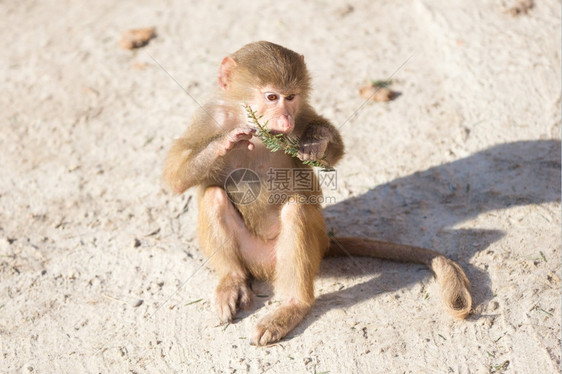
x=285, y=124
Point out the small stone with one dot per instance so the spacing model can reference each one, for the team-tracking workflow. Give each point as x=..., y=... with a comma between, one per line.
x=137, y=38
x=378, y=94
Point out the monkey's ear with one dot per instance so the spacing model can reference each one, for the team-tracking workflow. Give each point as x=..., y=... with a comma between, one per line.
x=225, y=72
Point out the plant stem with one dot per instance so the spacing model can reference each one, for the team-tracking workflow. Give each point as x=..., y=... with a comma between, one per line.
x=279, y=141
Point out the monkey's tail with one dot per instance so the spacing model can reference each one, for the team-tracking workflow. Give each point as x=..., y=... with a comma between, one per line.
x=452, y=279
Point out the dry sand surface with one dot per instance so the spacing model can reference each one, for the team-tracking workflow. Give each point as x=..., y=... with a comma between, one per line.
x=100, y=269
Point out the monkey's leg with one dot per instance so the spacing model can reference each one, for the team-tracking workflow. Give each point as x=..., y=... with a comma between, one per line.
x=218, y=227
x=299, y=249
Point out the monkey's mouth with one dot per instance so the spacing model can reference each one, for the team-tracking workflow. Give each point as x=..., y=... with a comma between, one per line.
x=272, y=132
x=275, y=132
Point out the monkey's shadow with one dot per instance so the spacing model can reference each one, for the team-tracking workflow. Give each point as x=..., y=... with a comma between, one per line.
x=423, y=208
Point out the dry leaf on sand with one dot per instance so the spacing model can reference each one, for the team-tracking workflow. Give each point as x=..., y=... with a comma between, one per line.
x=137, y=38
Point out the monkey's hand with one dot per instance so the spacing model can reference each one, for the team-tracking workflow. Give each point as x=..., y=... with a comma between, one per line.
x=237, y=138
x=313, y=143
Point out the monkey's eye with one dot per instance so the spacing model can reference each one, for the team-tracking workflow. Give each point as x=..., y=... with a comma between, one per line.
x=271, y=96
x=290, y=97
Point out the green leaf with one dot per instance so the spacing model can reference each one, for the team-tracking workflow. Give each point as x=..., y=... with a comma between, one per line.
x=279, y=141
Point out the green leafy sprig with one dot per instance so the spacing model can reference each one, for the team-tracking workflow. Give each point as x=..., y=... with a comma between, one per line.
x=381, y=83
x=276, y=142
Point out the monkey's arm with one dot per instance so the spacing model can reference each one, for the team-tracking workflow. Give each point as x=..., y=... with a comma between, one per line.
x=321, y=140
x=191, y=163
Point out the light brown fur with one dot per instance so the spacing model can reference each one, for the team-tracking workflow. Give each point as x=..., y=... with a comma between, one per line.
x=282, y=242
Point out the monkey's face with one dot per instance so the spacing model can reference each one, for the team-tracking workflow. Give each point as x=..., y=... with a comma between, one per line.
x=279, y=108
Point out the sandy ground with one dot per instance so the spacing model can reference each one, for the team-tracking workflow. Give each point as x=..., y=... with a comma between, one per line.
x=99, y=265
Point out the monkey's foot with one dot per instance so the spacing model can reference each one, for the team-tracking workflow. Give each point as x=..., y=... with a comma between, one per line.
x=232, y=293
x=276, y=325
